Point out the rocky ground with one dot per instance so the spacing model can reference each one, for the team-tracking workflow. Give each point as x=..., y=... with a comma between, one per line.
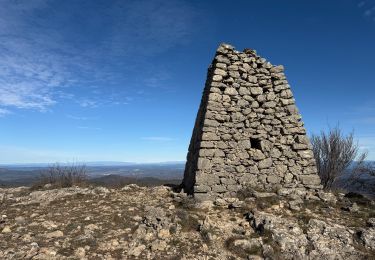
x=156, y=223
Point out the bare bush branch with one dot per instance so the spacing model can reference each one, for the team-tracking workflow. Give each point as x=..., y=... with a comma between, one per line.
x=334, y=153
x=63, y=176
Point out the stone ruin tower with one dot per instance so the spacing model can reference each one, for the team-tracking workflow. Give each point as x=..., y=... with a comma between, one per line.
x=248, y=131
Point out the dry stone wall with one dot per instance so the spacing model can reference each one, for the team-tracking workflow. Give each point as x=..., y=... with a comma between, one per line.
x=248, y=131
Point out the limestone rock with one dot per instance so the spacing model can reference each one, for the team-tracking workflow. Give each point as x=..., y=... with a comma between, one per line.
x=367, y=236
x=158, y=223
x=55, y=234
x=6, y=229
x=137, y=250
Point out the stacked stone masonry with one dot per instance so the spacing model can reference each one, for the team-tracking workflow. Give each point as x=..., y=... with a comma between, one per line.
x=248, y=131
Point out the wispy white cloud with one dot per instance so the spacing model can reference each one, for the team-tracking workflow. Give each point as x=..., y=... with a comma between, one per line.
x=109, y=100
x=45, y=56
x=88, y=103
x=29, y=71
x=361, y=4
x=158, y=138
x=150, y=26
x=156, y=79
x=4, y=112
x=369, y=11
x=368, y=8
x=89, y=128
x=82, y=118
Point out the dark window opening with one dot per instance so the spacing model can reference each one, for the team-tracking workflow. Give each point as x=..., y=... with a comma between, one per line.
x=256, y=143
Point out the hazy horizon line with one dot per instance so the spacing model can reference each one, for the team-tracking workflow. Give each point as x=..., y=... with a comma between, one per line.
x=88, y=162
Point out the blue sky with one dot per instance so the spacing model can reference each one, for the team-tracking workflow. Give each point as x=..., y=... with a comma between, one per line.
x=122, y=80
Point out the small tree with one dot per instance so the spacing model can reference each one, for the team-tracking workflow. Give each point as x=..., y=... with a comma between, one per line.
x=334, y=153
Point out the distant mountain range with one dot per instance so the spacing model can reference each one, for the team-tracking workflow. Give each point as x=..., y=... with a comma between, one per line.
x=100, y=172
x=94, y=163
x=101, y=163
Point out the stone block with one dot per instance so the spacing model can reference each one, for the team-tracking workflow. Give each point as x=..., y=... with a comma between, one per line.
x=210, y=137
x=204, y=164
x=300, y=146
x=233, y=187
x=281, y=169
x=227, y=181
x=266, y=163
x=219, y=188
x=206, y=144
x=220, y=72
x=230, y=91
x=277, y=69
x=208, y=179
x=240, y=168
x=307, y=154
x=273, y=179
x=256, y=91
x=202, y=188
x=310, y=179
